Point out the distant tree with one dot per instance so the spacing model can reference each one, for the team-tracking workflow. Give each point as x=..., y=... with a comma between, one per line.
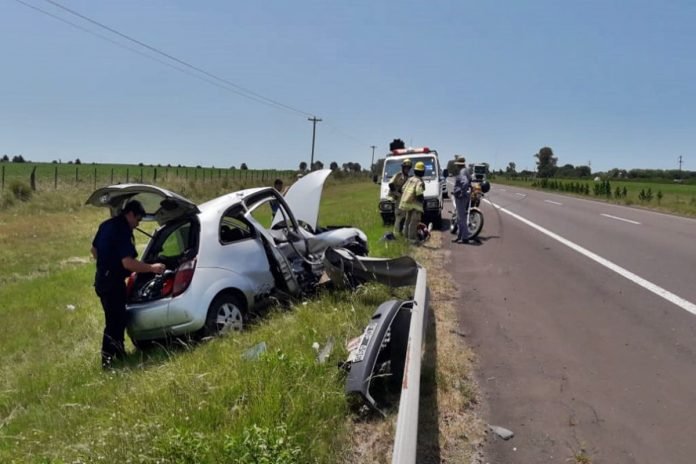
x=351, y=167
x=317, y=165
x=546, y=162
x=18, y=159
x=243, y=166
x=333, y=166
x=141, y=164
x=54, y=162
x=511, y=168
x=198, y=166
x=378, y=167
x=5, y=159
x=303, y=166
x=233, y=168
x=583, y=171
x=567, y=170
x=77, y=161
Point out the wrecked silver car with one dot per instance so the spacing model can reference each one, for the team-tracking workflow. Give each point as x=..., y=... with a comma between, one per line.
x=226, y=256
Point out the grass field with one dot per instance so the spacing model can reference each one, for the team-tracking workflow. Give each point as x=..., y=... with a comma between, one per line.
x=667, y=197
x=186, y=404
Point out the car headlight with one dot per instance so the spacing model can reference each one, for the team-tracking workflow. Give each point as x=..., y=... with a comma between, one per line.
x=432, y=203
x=386, y=206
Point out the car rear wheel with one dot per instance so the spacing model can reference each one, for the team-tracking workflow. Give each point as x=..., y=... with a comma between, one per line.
x=225, y=314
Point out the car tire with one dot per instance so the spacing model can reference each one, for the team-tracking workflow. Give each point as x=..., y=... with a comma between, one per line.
x=225, y=314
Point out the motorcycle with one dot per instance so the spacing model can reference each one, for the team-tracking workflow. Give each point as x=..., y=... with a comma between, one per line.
x=474, y=215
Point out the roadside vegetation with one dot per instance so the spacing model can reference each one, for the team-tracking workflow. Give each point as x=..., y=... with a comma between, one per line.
x=667, y=190
x=667, y=197
x=257, y=396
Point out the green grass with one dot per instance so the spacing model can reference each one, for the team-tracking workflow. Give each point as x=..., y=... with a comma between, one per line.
x=203, y=403
x=676, y=198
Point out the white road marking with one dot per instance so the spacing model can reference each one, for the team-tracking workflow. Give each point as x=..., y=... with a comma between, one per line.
x=521, y=194
x=554, y=202
x=686, y=305
x=620, y=218
x=502, y=190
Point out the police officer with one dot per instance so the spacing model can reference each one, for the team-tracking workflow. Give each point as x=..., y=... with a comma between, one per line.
x=462, y=187
x=114, y=249
x=395, y=191
x=412, y=201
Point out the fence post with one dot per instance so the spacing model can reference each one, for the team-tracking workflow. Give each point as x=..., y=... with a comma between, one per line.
x=195, y=175
x=95, y=178
x=77, y=177
x=127, y=175
x=154, y=177
x=112, y=176
x=55, y=178
x=141, y=175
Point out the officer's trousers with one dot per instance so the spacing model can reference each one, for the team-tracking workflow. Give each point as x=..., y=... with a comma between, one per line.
x=413, y=218
x=114, y=304
x=462, y=217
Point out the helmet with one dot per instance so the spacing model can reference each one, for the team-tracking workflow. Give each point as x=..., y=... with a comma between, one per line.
x=407, y=162
x=420, y=166
x=485, y=186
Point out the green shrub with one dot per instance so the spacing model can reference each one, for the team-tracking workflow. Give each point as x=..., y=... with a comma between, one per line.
x=20, y=190
x=180, y=446
x=261, y=445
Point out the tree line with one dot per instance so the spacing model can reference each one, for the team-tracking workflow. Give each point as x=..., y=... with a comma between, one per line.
x=547, y=167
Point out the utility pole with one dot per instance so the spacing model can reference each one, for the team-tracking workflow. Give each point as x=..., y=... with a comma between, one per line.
x=314, y=120
x=372, y=163
x=680, y=163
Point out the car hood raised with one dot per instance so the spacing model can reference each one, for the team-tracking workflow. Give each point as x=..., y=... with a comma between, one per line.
x=304, y=197
x=160, y=205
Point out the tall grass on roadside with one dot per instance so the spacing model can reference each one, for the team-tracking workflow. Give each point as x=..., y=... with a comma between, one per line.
x=203, y=403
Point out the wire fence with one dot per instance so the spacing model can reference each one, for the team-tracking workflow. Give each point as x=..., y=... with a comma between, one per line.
x=57, y=176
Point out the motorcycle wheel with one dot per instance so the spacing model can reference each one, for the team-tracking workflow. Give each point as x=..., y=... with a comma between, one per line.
x=475, y=223
x=453, y=225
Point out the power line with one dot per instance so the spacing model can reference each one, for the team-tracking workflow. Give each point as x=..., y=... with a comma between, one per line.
x=237, y=89
x=134, y=50
x=206, y=76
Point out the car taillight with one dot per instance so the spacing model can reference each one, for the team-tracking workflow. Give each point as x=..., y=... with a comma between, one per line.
x=130, y=283
x=183, y=277
x=167, y=286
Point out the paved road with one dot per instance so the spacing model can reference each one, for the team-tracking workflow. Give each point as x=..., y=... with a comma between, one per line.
x=587, y=343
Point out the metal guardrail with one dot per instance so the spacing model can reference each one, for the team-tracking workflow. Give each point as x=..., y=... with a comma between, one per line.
x=406, y=435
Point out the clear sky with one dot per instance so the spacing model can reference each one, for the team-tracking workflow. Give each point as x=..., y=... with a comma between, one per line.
x=602, y=81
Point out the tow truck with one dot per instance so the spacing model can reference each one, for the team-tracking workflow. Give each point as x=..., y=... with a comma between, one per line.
x=433, y=180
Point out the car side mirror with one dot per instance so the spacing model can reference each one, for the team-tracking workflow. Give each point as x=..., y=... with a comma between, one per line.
x=374, y=179
x=445, y=173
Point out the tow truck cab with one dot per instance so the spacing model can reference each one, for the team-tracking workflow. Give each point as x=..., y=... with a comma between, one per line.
x=433, y=180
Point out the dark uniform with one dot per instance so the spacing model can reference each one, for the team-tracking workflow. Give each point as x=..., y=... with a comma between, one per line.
x=114, y=241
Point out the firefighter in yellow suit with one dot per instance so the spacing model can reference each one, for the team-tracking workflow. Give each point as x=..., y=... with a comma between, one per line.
x=412, y=201
x=396, y=185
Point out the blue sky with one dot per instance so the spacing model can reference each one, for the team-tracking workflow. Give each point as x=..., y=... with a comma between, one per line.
x=607, y=82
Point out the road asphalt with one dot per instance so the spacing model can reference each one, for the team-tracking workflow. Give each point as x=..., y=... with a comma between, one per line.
x=581, y=361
